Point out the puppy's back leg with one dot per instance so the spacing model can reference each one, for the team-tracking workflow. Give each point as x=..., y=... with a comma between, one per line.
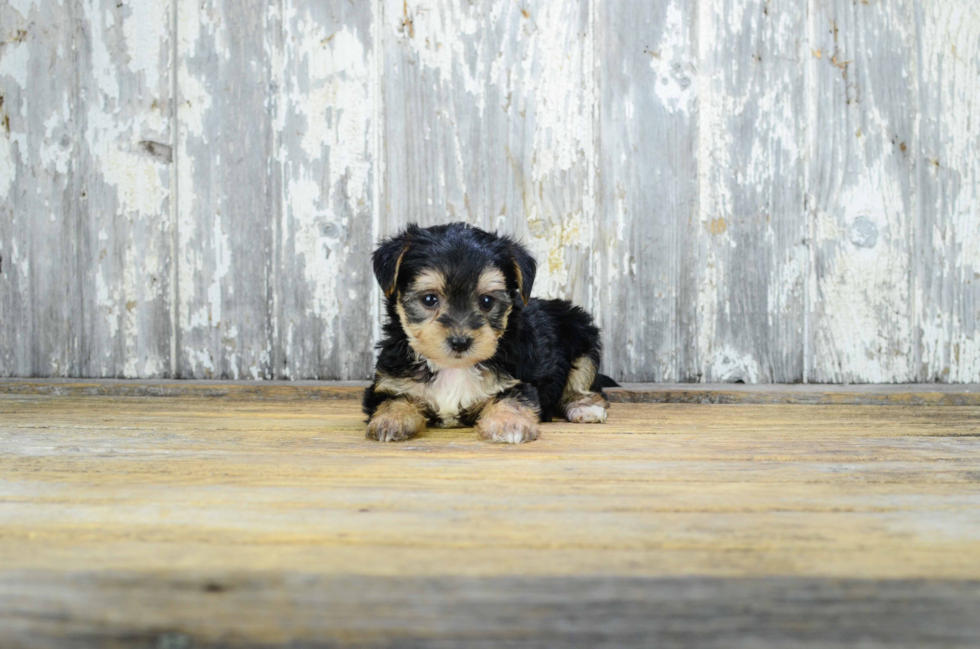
x=580, y=402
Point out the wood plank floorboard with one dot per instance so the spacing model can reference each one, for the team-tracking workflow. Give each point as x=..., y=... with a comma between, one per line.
x=193, y=521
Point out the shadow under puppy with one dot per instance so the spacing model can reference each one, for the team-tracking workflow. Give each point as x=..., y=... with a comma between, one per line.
x=465, y=345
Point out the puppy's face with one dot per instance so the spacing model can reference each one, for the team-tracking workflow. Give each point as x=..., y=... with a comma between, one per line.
x=454, y=317
x=453, y=289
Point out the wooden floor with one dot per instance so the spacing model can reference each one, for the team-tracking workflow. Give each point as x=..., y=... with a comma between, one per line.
x=189, y=521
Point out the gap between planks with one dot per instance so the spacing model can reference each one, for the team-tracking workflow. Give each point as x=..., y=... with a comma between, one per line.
x=719, y=393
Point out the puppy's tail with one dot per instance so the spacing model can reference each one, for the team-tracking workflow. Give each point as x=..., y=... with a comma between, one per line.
x=605, y=382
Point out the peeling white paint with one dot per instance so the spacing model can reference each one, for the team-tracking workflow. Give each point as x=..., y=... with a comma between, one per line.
x=863, y=198
x=195, y=18
x=673, y=63
x=53, y=154
x=106, y=302
x=553, y=76
x=152, y=366
x=542, y=74
x=344, y=69
x=753, y=262
x=549, y=244
x=729, y=365
x=713, y=144
x=146, y=25
x=327, y=114
x=21, y=263
x=438, y=34
x=195, y=102
x=125, y=85
x=947, y=287
x=23, y=7
x=137, y=179
x=880, y=309
x=222, y=264
x=200, y=359
x=860, y=282
x=15, y=62
x=8, y=166
x=334, y=100
x=104, y=69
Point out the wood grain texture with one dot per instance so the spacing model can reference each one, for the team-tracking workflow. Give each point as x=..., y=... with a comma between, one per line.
x=645, y=248
x=39, y=282
x=863, y=492
x=946, y=245
x=861, y=190
x=227, y=189
x=243, y=522
x=541, y=142
x=327, y=128
x=217, y=609
x=767, y=190
x=752, y=266
x=123, y=184
x=434, y=99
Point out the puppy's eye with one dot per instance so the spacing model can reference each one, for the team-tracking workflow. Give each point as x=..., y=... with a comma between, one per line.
x=486, y=302
x=430, y=301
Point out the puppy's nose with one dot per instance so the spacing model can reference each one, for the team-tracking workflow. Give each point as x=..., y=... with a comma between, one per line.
x=460, y=344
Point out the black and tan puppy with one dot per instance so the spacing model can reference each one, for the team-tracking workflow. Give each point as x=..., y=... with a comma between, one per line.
x=465, y=344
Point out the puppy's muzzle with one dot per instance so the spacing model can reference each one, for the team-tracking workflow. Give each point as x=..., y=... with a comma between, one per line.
x=459, y=344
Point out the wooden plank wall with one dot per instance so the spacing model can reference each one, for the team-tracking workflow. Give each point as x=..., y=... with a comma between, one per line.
x=751, y=190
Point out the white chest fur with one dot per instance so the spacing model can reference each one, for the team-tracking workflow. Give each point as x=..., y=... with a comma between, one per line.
x=454, y=389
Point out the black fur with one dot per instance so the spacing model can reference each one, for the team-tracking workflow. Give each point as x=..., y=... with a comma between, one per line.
x=540, y=346
x=542, y=339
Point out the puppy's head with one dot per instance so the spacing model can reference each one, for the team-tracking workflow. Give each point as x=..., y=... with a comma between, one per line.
x=454, y=288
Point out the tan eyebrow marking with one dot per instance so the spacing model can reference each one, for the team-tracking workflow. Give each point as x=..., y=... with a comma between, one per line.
x=491, y=280
x=429, y=280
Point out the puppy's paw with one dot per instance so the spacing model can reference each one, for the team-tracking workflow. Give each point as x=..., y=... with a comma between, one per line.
x=508, y=431
x=391, y=431
x=509, y=422
x=591, y=414
x=587, y=410
x=395, y=421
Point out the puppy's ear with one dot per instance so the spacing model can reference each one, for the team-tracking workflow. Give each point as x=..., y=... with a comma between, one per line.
x=525, y=267
x=388, y=260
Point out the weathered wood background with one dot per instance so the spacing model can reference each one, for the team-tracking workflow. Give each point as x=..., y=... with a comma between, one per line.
x=755, y=190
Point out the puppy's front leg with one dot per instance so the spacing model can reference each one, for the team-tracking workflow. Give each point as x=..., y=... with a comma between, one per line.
x=395, y=420
x=512, y=416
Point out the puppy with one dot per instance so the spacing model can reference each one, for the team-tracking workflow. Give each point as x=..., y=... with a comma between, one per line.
x=465, y=345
